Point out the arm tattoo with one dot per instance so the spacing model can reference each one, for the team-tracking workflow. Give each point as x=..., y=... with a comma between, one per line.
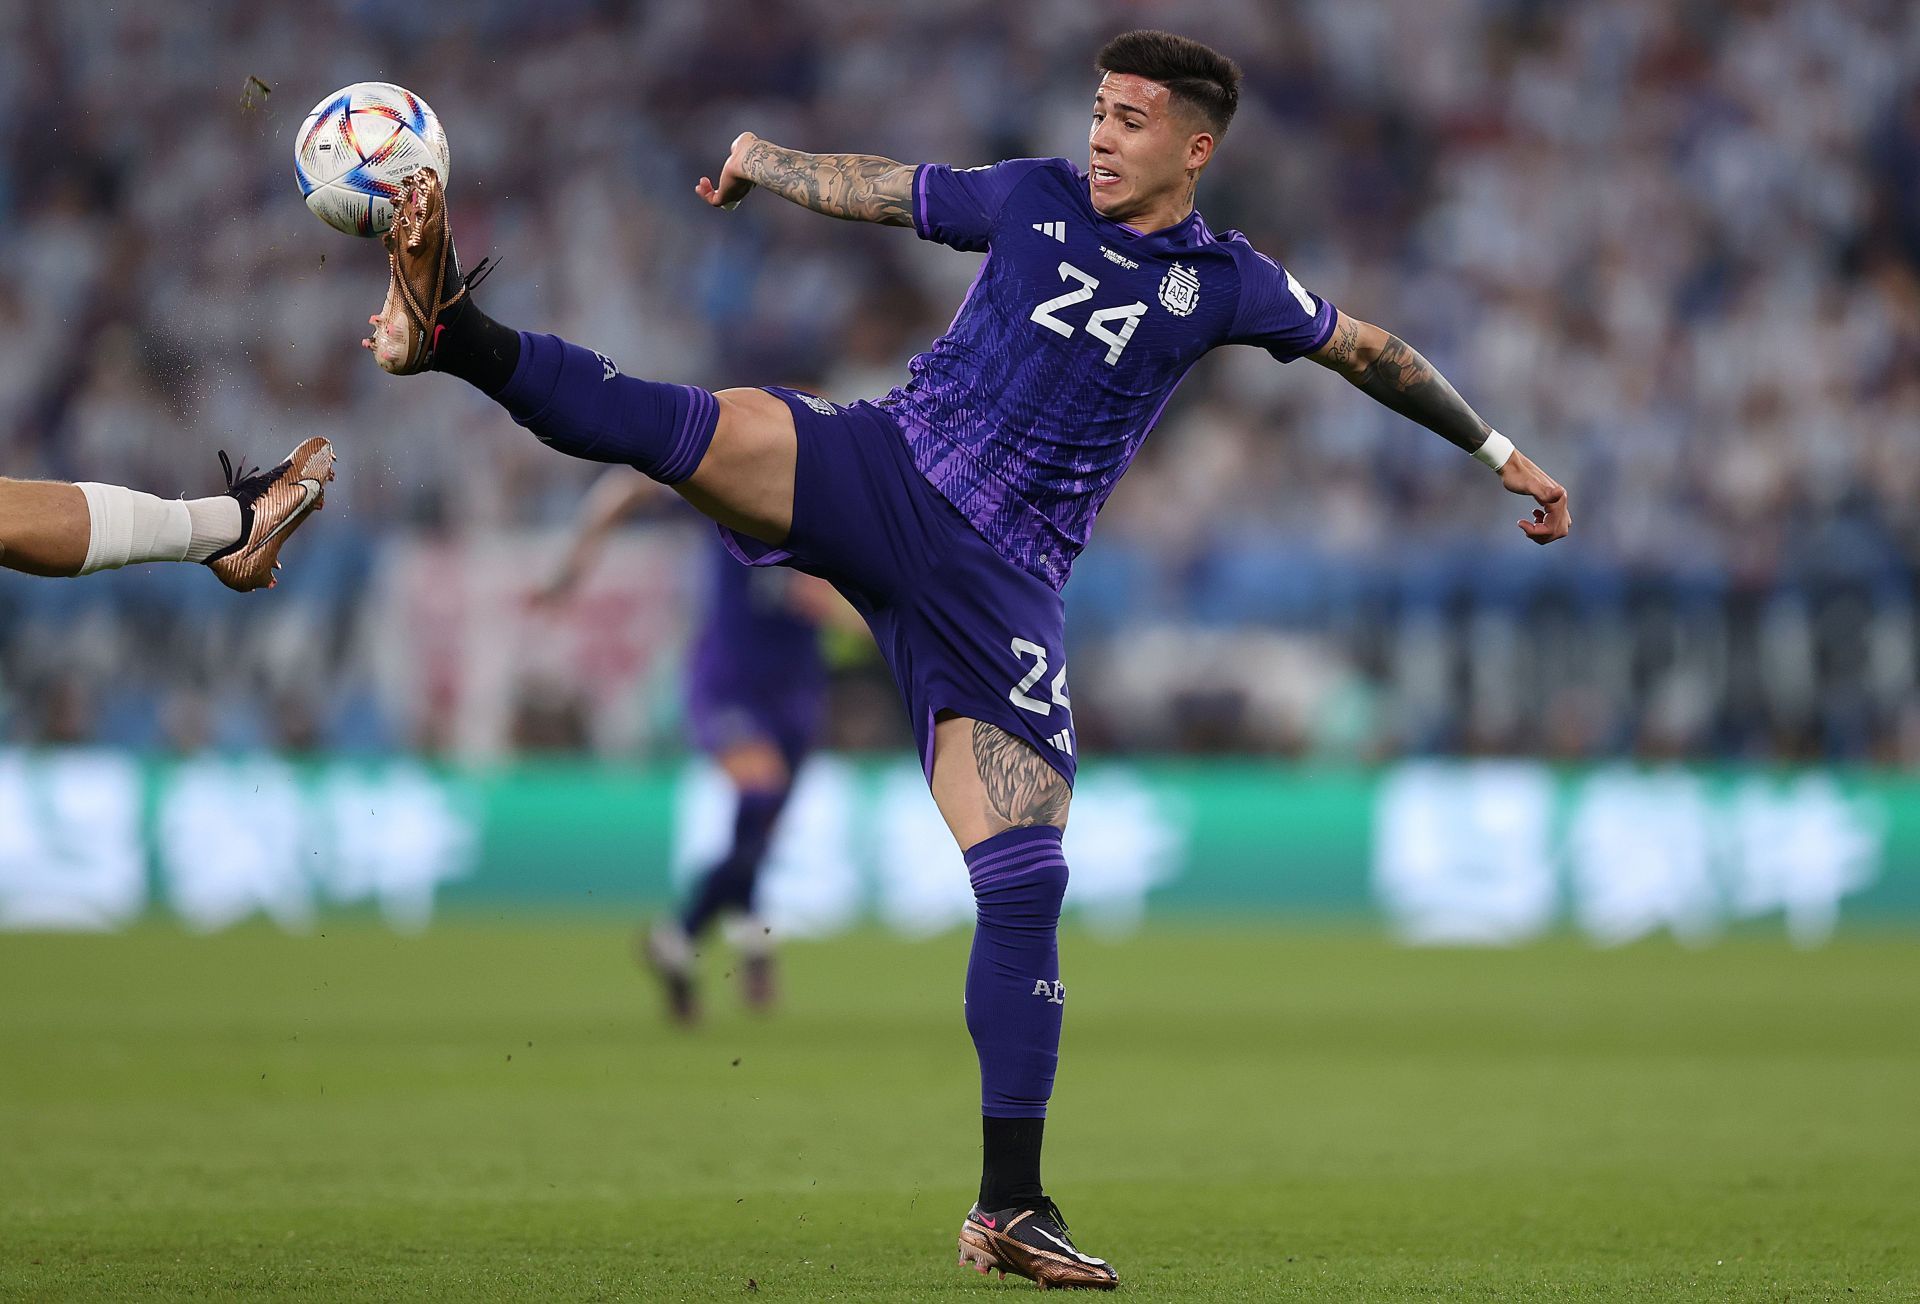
x=1346, y=340
x=858, y=187
x=1407, y=383
x=1022, y=789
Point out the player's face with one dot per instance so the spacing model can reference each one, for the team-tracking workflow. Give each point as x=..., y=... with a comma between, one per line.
x=1141, y=148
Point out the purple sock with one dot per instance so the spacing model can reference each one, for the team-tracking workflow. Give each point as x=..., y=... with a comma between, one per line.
x=729, y=884
x=1014, y=994
x=577, y=401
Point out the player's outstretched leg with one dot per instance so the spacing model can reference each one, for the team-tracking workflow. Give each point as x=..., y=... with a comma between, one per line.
x=1007, y=806
x=57, y=529
x=731, y=454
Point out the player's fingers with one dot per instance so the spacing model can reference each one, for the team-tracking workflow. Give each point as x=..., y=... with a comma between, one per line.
x=1545, y=527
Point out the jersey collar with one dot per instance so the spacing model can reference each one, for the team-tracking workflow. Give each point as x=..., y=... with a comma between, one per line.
x=1188, y=233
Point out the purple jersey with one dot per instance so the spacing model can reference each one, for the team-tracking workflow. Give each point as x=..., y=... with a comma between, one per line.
x=754, y=650
x=1025, y=414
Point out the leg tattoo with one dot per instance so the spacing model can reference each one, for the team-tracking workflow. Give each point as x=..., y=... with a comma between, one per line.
x=1021, y=787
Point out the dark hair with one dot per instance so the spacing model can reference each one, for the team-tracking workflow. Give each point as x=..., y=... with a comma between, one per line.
x=1195, y=75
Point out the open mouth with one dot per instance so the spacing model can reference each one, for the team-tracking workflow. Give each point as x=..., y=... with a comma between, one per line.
x=1103, y=176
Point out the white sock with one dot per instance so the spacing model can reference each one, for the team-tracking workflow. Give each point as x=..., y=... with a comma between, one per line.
x=672, y=947
x=750, y=935
x=216, y=525
x=128, y=527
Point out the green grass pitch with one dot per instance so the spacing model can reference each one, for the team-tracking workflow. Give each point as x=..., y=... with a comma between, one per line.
x=494, y=1110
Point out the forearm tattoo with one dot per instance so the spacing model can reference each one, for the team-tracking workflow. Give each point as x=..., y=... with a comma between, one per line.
x=1344, y=345
x=1406, y=382
x=1022, y=789
x=858, y=187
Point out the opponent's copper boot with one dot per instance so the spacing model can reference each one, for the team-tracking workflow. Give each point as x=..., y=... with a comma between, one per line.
x=272, y=505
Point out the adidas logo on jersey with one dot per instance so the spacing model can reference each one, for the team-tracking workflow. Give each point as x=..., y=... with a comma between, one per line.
x=1063, y=741
x=1057, y=230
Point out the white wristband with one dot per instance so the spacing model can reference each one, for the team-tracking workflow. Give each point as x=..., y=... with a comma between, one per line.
x=1495, y=451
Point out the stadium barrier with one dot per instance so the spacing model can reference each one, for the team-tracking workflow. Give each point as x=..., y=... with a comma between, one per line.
x=1484, y=852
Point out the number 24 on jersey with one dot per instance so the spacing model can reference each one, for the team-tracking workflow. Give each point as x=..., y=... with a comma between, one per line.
x=1099, y=322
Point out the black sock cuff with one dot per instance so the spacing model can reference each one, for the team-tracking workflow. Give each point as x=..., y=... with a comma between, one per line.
x=476, y=348
x=1010, y=1161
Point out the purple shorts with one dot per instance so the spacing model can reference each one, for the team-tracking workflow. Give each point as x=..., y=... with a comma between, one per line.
x=719, y=717
x=964, y=631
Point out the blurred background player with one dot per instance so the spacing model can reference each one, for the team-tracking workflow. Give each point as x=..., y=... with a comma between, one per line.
x=755, y=698
x=58, y=529
x=951, y=511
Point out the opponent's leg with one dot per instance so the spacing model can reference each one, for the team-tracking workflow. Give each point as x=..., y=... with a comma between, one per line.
x=44, y=527
x=57, y=529
x=1008, y=809
x=763, y=781
x=730, y=454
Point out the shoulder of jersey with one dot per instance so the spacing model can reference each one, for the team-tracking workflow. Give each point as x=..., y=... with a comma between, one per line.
x=1237, y=246
x=1240, y=252
x=1060, y=174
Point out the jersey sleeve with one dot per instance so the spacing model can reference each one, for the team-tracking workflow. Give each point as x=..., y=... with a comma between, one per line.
x=1276, y=312
x=957, y=206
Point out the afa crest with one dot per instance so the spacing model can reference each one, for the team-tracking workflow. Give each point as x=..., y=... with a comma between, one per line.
x=1180, y=290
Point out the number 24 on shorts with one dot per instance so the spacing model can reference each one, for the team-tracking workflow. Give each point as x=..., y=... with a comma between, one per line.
x=1018, y=694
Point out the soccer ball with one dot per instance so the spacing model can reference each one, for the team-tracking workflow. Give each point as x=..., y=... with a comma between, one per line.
x=357, y=145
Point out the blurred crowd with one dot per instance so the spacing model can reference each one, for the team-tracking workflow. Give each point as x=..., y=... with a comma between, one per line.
x=1672, y=248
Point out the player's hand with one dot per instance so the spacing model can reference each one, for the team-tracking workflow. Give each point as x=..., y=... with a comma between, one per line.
x=1551, y=519
x=733, y=184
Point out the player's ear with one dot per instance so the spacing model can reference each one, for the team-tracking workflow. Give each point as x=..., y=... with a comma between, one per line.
x=1199, y=150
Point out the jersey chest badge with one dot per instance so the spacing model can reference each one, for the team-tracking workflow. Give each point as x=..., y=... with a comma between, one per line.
x=1180, y=290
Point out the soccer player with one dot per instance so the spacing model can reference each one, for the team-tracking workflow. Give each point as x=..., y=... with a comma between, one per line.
x=756, y=694
x=950, y=511
x=59, y=529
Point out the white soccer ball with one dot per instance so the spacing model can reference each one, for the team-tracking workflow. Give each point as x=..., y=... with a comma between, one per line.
x=357, y=145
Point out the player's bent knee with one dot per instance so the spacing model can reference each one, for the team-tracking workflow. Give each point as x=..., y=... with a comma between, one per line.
x=1019, y=877
x=755, y=766
x=746, y=479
